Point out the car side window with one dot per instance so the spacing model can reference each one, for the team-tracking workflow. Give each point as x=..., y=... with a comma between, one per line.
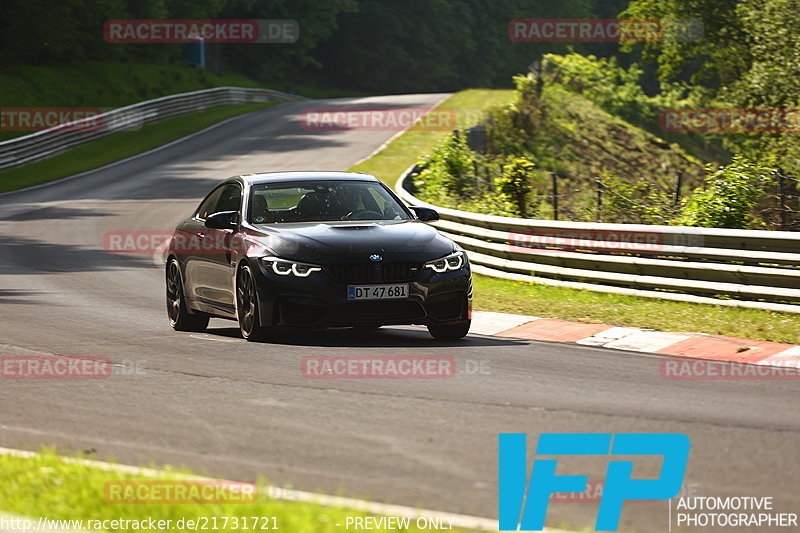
x=230, y=199
x=379, y=200
x=207, y=207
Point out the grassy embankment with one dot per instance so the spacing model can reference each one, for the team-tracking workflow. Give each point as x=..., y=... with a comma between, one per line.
x=569, y=304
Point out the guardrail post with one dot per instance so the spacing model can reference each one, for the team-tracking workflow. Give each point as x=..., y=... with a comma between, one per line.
x=678, y=185
x=554, y=178
x=600, y=187
x=782, y=198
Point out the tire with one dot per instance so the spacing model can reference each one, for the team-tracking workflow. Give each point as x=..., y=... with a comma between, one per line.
x=247, y=306
x=179, y=317
x=450, y=332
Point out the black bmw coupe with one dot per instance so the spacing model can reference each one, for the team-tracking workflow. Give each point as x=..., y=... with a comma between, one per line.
x=315, y=250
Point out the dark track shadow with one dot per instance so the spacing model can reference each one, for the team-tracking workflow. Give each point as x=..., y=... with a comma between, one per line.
x=299, y=133
x=22, y=296
x=54, y=213
x=174, y=188
x=292, y=137
x=246, y=136
x=386, y=337
x=25, y=256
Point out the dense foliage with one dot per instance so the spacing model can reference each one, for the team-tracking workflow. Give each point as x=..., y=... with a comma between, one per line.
x=576, y=125
x=365, y=45
x=729, y=196
x=748, y=58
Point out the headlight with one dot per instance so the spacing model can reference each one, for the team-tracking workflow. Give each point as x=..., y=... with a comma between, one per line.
x=284, y=267
x=453, y=261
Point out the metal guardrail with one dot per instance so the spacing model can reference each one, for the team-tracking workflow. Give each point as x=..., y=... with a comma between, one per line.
x=47, y=143
x=740, y=268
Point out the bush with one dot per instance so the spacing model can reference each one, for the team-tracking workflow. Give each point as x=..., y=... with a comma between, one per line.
x=515, y=183
x=527, y=90
x=452, y=166
x=729, y=196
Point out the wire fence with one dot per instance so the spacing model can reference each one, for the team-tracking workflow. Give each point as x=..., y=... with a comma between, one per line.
x=783, y=211
x=778, y=208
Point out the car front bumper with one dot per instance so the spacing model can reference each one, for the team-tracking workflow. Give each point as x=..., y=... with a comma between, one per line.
x=320, y=300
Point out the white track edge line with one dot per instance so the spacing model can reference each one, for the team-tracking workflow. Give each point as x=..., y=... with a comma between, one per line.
x=391, y=139
x=325, y=500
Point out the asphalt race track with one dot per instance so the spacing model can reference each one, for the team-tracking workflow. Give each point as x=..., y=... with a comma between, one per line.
x=241, y=410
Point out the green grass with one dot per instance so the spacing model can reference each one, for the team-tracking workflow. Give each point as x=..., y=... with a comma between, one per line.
x=578, y=139
x=410, y=146
x=119, y=146
x=47, y=486
x=618, y=310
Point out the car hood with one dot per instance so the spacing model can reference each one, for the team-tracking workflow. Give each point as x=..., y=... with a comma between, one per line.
x=349, y=242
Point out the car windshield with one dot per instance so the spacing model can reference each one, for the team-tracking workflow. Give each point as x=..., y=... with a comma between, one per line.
x=323, y=201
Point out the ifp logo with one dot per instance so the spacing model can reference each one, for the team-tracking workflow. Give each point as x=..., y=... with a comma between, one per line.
x=523, y=505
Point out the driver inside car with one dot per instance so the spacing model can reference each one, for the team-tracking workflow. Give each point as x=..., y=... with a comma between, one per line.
x=317, y=205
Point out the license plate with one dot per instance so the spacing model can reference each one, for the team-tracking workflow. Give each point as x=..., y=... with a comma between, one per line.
x=377, y=292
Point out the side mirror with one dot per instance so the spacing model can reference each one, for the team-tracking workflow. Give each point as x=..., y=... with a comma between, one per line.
x=223, y=220
x=426, y=214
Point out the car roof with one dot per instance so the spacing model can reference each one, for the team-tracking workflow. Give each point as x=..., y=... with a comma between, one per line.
x=267, y=177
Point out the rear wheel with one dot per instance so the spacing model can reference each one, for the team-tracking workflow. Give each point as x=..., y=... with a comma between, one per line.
x=179, y=317
x=247, y=306
x=450, y=332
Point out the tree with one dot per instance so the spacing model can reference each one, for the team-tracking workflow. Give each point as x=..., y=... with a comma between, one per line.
x=748, y=58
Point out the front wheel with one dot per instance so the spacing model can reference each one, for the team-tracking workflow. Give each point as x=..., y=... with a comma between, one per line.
x=179, y=317
x=450, y=332
x=247, y=306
